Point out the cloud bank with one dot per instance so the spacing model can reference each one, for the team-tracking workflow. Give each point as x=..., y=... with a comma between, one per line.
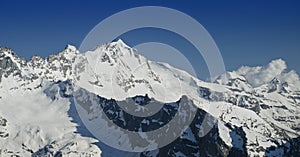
x=257, y=76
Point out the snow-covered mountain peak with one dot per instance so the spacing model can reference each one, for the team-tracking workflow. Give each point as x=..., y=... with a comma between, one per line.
x=71, y=48
x=116, y=53
x=10, y=63
x=119, y=49
x=8, y=53
x=69, y=52
x=233, y=79
x=120, y=43
x=115, y=70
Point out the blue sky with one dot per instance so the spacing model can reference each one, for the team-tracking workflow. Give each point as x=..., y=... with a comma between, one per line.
x=246, y=32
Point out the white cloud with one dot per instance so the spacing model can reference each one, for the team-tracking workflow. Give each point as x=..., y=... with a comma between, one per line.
x=260, y=75
x=291, y=78
x=257, y=76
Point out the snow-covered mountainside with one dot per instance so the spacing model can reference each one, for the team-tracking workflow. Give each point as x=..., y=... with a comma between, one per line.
x=253, y=111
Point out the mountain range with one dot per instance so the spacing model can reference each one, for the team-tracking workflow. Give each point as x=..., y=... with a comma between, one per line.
x=55, y=106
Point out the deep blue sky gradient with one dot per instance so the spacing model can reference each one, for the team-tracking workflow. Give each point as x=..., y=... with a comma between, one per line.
x=246, y=32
